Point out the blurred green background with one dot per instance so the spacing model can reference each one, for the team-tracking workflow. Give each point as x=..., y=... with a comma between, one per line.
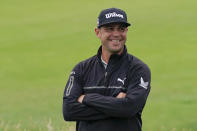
x=42, y=40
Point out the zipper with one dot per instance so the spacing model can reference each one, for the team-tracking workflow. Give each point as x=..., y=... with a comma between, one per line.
x=105, y=82
x=105, y=79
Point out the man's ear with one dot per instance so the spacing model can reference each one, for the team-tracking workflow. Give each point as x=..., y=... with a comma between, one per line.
x=126, y=29
x=97, y=32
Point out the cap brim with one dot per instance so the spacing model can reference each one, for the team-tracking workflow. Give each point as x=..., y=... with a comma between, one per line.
x=111, y=22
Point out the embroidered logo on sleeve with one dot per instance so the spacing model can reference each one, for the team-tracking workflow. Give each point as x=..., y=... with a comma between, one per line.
x=70, y=85
x=72, y=73
x=143, y=84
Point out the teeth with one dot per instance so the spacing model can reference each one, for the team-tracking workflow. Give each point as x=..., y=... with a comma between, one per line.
x=115, y=40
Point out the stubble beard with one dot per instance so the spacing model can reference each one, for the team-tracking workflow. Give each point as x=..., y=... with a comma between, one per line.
x=113, y=49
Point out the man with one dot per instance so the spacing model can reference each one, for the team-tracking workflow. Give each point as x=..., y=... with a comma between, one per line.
x=108, y=91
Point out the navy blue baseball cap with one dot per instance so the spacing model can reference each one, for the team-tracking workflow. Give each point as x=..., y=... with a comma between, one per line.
x=112, y=15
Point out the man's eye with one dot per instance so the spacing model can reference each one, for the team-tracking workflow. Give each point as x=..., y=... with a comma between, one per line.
x=122, y=29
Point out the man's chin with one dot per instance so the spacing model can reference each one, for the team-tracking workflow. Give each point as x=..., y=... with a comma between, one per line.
x=115, y=51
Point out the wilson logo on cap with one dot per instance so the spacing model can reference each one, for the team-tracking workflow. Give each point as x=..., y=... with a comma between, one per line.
x=109, y=15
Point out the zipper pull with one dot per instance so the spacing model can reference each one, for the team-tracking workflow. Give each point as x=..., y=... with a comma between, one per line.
x=105, y=74
x=105, y=81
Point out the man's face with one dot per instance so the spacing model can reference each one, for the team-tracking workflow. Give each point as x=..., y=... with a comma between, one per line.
x=113, y=37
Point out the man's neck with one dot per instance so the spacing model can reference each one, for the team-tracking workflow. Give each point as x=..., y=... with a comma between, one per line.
x=105, y=56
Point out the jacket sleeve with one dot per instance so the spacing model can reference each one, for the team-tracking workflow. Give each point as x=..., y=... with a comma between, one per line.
x=136, y=96
x=72, y=109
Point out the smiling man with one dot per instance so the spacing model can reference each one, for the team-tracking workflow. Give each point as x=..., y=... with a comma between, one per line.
x=108, y=91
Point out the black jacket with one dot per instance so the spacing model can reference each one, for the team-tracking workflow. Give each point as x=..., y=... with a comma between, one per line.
x=100, y=109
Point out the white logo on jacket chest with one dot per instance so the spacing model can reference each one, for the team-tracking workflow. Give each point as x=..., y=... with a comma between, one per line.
x=122, y=81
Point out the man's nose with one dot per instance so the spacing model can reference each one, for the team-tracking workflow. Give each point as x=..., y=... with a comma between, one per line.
x=116, y=32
